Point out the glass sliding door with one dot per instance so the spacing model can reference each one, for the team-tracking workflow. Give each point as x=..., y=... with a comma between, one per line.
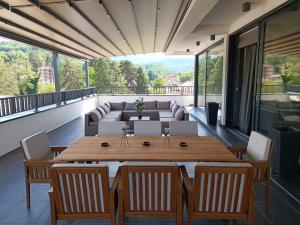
x=201, y=80
x=280, y=87
x=210, y=75
x=215, y=75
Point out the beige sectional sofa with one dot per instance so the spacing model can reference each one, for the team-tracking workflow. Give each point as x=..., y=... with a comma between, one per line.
x=122, y=111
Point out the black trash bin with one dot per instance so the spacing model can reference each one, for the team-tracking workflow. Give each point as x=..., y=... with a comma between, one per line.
x=212, y=113
x=285, y=161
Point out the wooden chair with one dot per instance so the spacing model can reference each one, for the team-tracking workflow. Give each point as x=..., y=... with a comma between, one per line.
x=37, y=159
x=150, y=190
x=147, y=128
x=259, y=153
x=82, y=191
x=220, y=191
x=183, y=128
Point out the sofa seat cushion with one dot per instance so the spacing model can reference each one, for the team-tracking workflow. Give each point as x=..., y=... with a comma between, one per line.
x=117, y=116
x=154, y=114
x=109, y=119
x=165, y=113
x=167, y=119
x=115, y=112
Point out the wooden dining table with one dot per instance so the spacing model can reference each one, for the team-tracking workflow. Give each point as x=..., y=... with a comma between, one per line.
x=198, y=148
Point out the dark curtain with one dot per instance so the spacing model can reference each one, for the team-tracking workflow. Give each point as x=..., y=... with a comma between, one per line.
x=246, y=103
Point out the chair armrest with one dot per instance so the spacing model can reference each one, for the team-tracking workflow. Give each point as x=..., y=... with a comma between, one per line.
x=116, y=181
x=186, y=180
x=234, y=149
x=58, y=149
x=42, y=162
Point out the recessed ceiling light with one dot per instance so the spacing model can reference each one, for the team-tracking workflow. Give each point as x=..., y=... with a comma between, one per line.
x=197, y=43
x=246, y=7
x=187, y=50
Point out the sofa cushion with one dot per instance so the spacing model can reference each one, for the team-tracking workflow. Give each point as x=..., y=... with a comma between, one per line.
x=174, y=109
x=163, y=105
x=101, y=111
x=106, y=109
x=129, y=106
x=167, y=119
x=95, y=115
x=179, y=115
x=165, y=114
x=108, y=105
x=150, y=105
x=117, y=105
x=109, y=119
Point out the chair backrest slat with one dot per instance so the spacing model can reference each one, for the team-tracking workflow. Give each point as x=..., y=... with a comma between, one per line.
x=222, y=189
x=150, y=188
x=80, y=189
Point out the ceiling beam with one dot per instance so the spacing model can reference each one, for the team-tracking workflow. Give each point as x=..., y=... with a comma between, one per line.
x=156, y=24
x=116, y=25
x=23, y=39
x=184, y=6
x=83, y=15
x=58, y=17
x=136, y=23
x=18, y=26
x=46, y=26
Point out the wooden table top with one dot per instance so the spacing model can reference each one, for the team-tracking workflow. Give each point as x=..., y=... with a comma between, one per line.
x=198, y=149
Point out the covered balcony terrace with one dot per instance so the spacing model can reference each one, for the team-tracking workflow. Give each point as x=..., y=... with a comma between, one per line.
x=209, y=30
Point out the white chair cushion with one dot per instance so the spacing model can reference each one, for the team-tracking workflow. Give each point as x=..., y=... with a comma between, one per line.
x=147, y=128
x=112, y=128
x=37, y=146
x=183, y=128
x=258, y=146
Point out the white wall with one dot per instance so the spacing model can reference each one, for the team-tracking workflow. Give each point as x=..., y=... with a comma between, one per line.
x=13, y=131
x=184, y=100
x=255, y=13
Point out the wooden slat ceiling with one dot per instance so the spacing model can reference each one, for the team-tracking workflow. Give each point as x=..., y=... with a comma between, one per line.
x=92, y=28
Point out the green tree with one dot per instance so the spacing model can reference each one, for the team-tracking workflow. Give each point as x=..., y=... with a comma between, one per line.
x=128, y=71
x=158, y=82
x=46, y=88
x=185, y=76
x=72, y=76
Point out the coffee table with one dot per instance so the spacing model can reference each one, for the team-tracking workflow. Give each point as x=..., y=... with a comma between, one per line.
x=135, y=118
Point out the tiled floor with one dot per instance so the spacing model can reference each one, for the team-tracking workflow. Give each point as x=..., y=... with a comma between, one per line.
x=283, y=211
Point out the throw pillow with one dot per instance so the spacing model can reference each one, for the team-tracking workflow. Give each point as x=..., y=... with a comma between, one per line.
x=95, y=116
x=179, y=115
x=172, y=104
x=174, y=109
x=108, y=105
x=117, y=105
x=106, y=109
x=163, y=105
x=101, y=111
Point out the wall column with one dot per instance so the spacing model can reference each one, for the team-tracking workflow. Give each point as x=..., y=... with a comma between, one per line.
x=87, y=79
x=196, y=81
x=224, y=79
x=56, y=71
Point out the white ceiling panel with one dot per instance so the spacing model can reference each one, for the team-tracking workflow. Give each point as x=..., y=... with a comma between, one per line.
x=98, y=15
x=69, y=14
